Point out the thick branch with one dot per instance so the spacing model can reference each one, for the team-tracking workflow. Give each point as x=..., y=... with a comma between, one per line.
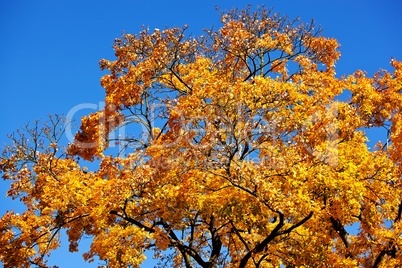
x=260, y=246
x=275, y=232
x=338, y=227
x=184, y=250
x=216, y=243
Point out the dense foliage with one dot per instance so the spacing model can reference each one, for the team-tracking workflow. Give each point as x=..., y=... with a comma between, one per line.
x=241, y=148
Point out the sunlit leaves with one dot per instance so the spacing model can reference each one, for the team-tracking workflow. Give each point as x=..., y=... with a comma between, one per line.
x=245, y=154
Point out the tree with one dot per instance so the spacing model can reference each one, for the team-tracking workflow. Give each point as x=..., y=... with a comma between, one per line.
x=245, y=151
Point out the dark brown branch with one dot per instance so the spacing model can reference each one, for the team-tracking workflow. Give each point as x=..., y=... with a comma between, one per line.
x=260, y=246
x=390, y=251
x=275, y=233
x=133, y=221
x=298, y=224
x=216, y=243
x=187, y=260
x=237, y=232
x=245, y=151
x=338, y=227
x=258, y=264
x=239, y=236
x=378, y=259
x=181, y=81
x=184, y=250
x=398, y=217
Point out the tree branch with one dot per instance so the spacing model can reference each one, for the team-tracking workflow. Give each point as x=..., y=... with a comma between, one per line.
x=133, y=221
x=398, y=217
x=216, y=243
x=260, y=246
x=274, y=233
x=298, y=224
x=390, y=251
x=338, y=227
x=184, y=250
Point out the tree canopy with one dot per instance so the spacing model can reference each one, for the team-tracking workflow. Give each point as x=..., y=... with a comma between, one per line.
x=241, y=148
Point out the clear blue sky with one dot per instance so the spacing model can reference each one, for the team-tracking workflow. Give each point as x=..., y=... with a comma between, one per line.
x=49, y=50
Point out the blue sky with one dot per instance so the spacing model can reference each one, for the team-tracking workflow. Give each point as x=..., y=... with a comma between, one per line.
x=49, y=50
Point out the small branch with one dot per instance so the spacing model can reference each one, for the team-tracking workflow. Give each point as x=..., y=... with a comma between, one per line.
x=133, y=221
x=390, y=251
x=398, y=217
x=239, y=236
x=186, y=251
x=298, y=224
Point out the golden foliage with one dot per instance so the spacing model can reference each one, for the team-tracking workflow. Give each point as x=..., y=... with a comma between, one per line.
x=247, y=155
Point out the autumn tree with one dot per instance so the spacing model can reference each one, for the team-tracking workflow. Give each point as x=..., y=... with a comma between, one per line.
x=242, y=148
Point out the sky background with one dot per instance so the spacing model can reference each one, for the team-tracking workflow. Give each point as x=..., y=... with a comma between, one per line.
x=49, y=50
